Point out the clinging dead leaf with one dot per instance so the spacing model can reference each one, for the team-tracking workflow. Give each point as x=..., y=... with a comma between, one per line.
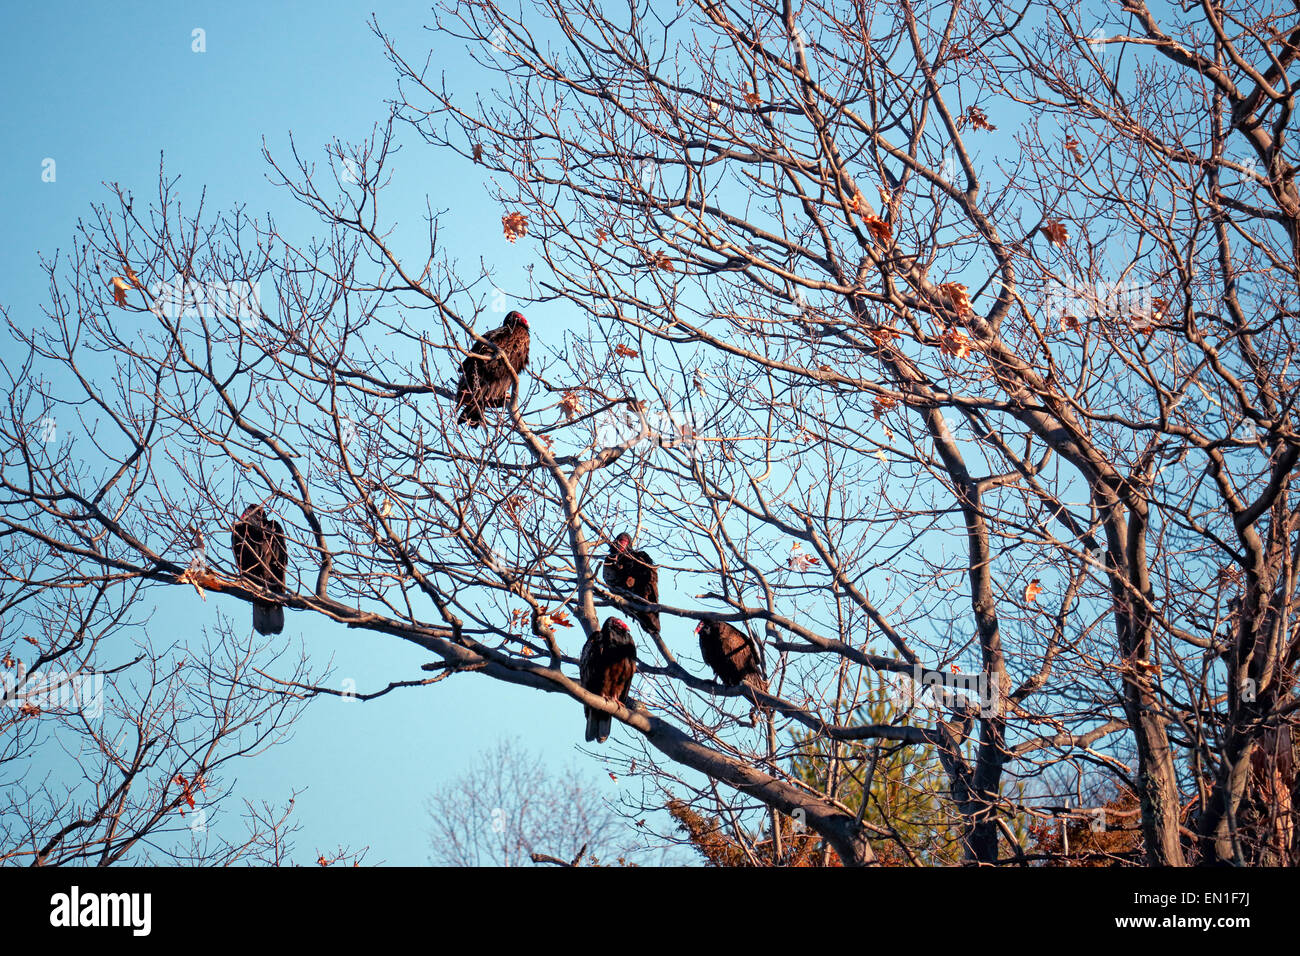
x=882, y=404
x=660, y=260
x=882, y=335
x=1055, y=232
x=513, y=505
x=801, y=562
x=958, y=297
x=571, y=405
x=1032, y=590
x=878, y=228
x=623, y=351
x=954, y=342
x=978, y=119
x=515, y=225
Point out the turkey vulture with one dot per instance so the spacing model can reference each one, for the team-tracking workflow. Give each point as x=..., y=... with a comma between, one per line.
x=260, y=554
x=732, y=653
x=634, y=572
x=485, y=378
x=606, y=667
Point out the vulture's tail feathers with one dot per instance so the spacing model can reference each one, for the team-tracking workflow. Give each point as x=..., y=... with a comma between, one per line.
x=598, y=726
x=268, y=618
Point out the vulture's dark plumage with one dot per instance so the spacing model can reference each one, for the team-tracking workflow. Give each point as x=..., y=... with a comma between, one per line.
x=485, y=377
x=634, y=572
x=261, y=556
x=606, y=667
x=732, y=654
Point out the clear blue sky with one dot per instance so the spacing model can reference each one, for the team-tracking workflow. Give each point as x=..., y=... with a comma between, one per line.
x=103, y=90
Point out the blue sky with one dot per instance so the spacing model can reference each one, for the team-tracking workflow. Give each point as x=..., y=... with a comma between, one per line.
x=104, y=91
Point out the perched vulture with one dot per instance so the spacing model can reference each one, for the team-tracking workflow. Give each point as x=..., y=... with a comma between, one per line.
x=732, y=653
x=606, y=667
x=634, y=572
x=260, y=555
x=485, y=378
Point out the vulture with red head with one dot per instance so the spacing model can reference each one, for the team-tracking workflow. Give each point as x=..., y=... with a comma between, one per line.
x=634, y=573
x=606, y=667
x=489, y=371
x=733, y=654
x=262, y=558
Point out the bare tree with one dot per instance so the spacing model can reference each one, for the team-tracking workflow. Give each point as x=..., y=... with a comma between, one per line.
x=901, y=395
x=115, y=749
x=508, y=809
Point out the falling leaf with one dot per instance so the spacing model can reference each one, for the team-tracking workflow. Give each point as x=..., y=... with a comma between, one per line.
x=1055, y=232
x=515, y=225
x=1032, y=590
x=623, y=351
x=571, y=405
x=878, y=228
x=612, y=777
x=120, y=286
